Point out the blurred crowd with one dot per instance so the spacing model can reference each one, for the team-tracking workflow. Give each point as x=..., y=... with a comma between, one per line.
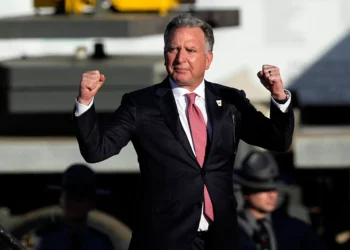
x=268, y=218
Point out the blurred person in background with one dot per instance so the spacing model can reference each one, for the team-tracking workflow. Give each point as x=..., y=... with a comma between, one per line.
x=261, y=225
x=185, y=131
x=77, y=199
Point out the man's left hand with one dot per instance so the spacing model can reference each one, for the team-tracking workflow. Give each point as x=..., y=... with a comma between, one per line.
x=270, y=77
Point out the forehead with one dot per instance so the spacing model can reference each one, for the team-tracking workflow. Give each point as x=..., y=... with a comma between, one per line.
x=187, y=34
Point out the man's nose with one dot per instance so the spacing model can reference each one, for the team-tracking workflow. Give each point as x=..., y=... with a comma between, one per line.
x=181, y=56
x=273, y=193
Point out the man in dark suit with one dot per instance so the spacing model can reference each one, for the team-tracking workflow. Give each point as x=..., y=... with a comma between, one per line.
x=185, y=131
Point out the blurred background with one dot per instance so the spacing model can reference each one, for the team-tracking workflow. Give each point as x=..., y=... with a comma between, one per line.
x=45, y=46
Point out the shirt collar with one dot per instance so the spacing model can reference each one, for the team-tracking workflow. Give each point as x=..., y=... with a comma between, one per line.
x=180, y=91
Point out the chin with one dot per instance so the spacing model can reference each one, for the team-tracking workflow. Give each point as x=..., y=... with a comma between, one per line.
x=270, y=208
x=181, y=79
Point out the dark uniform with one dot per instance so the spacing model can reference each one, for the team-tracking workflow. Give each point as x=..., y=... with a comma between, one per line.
x=72, y=231
x=282, y=232
x=57, y=236
x=275, y=230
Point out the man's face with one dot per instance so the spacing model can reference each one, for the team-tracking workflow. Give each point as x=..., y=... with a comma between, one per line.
x=75, y=210
x=264, y=202
x=186, y=57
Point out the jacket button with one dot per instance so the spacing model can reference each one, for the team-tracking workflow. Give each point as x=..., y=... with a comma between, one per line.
x=203, y=173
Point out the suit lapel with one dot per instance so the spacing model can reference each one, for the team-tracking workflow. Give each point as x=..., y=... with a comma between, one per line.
x=167, y=105
x=215, y=108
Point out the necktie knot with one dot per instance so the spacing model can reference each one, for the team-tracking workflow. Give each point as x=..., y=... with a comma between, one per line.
x=191, y=97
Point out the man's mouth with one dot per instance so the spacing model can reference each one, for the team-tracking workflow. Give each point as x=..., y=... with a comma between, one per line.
x=180, y=70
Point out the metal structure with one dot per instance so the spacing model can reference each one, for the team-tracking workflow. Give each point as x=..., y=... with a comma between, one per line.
x=45, y=86
x=322, y=94
x=103, y=25
x=49, y=84
x=86, y=6
x=8, y=241
x=322, y=140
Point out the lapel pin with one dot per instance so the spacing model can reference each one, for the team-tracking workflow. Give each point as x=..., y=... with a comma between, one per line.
x=219, y=103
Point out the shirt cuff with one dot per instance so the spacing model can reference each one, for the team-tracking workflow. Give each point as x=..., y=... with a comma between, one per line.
x=283, y=107
x=81, y=108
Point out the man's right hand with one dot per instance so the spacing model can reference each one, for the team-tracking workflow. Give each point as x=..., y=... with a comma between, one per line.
x=91, y=82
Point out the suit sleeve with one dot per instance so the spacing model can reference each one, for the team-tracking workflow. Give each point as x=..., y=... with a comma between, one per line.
x=274, y=133
x=97, y=142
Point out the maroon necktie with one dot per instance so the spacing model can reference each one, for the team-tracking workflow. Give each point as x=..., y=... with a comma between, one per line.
x=199, y=136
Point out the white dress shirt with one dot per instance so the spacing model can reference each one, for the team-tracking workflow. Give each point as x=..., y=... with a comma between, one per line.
x=181, y=103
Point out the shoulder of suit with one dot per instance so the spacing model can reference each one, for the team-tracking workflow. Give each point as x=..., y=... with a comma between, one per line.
x=143, y=91
x=241, y=217
x=289, y=221
x=224, y=88
x=230, y=94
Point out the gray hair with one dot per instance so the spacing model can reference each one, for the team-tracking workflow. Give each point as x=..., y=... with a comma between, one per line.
x=191, y=21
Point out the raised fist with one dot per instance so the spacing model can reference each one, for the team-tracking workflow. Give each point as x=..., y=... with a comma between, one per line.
x=91, y=82
x=270, y=77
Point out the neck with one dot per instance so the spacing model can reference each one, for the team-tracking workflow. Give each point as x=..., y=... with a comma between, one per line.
x=257, y=214
x=189, y=86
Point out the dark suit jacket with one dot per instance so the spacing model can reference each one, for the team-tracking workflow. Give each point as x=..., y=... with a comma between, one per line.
x=172, y=180
x=290, y=233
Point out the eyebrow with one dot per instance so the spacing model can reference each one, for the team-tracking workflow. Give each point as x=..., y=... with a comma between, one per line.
x=176, y=46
